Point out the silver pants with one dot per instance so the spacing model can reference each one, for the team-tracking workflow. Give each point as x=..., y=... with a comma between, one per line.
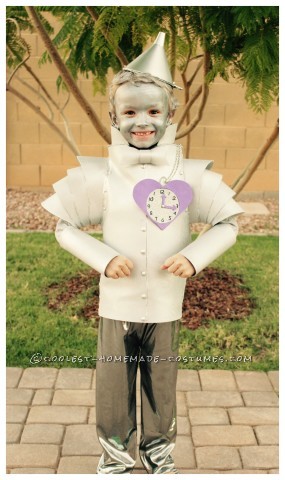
x=123, y=346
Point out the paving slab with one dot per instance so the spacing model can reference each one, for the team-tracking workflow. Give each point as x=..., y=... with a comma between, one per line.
x=254, y=415
x=58, y=414
x=13, y=432
x=217, y=380
x=43, y=397
x=16, y=396
x=181, y=404
x=92, y=415
x=260, y=399
x=214, y=399
x=74, y=397
x=253, y=381
x=33, y=455
x=183, y=453
x=267, y=434
x=38, y=377
x=13, y=375
x=43, y=433
x=231, y=435
x=274, y=379
x=78, y=464
x=224, y=458
x=259, y=457
x=34, y=471
x=208, y=416
x=93, y=383
x=74, y=378
x=16, y=413
x=188, y=380
x=183, y=425
x=81, y=440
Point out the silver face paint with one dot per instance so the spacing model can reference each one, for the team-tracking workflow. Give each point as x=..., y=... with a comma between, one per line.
x=141, y=113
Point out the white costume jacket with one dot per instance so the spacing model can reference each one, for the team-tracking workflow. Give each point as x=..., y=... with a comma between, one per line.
x=101, y=191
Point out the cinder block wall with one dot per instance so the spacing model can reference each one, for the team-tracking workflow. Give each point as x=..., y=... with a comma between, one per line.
x=229, y=133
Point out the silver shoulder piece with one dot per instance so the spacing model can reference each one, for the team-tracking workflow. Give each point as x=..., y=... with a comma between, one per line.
x=193, y=171
x=212, y=198
x=78, y=197
x=216, y=199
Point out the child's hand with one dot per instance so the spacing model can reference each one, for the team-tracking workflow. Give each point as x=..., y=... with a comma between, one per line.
x=119, y=267
x=179, y=266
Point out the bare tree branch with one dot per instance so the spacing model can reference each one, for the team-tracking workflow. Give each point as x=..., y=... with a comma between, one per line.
x=205, y=93
x=36, y=109
x=94, y=118
x=246, y=175
x=189, y=104
x=205, y=86
x=172, y=29
x=117, y=50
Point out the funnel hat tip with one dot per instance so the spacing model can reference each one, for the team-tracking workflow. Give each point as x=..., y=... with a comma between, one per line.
x=154, y=62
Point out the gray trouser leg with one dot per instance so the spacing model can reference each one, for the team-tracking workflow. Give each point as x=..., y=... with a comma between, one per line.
x=116, y=395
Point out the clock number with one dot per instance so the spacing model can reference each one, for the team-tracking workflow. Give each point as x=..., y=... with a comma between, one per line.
x=174, y=198
x=174, y=213
x=150, y=199
x=162, y=220
x=161, y=191
x=169, y=218
x=150, y=212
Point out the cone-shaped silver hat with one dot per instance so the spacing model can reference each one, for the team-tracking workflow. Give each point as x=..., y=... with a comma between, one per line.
x=154, y=62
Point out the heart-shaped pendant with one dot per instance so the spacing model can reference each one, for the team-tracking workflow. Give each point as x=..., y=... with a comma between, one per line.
x=162, y=203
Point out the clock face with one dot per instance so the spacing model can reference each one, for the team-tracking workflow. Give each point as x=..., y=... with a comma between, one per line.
x=162, y=205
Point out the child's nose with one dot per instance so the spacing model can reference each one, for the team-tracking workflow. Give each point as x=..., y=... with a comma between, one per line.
x=142, y=120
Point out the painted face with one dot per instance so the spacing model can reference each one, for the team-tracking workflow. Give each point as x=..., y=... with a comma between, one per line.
x=141, y=113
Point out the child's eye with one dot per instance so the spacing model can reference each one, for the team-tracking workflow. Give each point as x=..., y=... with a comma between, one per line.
x=154, y=111
x=129, y=113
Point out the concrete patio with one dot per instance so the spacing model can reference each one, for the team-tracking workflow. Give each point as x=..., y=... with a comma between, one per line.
x=227, y=421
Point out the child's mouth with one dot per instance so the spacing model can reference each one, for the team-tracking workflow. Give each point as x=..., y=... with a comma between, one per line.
x=143, y=134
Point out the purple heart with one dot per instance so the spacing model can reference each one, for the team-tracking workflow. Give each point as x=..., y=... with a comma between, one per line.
x=181, y=189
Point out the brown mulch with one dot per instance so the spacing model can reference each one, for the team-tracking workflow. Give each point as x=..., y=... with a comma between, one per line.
x=24, y=211
x=214, y=294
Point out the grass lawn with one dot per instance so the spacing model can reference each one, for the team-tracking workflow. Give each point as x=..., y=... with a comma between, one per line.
x=35, y=260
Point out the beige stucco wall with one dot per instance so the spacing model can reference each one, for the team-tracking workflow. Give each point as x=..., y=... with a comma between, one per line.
x=229, y=133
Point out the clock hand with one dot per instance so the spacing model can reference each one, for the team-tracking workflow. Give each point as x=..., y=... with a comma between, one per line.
x=171, y=207
x=163, y=197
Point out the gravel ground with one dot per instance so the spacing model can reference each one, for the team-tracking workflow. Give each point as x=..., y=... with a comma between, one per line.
x=24, y=212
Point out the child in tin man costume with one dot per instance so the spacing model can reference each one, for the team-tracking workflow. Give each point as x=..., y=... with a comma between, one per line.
x=145, y=196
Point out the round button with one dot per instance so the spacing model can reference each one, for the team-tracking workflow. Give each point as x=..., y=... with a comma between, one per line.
x=143, y=252
x=143, y=274
x=143, y=296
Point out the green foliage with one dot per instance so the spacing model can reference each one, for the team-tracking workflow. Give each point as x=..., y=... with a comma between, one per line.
x=241, y=40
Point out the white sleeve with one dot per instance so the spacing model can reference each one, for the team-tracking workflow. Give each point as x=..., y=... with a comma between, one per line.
x=88, y=249
x=213, y=243
x=215, y=206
